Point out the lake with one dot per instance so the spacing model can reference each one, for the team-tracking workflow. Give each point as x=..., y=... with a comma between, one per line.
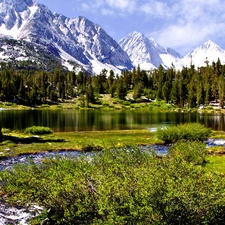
x=90, y=120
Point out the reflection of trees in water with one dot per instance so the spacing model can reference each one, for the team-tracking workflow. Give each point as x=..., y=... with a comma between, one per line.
x=84, y=120
x=214, y=121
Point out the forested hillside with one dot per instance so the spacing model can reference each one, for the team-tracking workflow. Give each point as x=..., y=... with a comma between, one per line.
x=189, y=87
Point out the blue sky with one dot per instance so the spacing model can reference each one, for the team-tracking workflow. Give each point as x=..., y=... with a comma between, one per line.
x=180, y=24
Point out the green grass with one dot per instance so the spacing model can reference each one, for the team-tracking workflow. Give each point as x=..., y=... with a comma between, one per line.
x=74, y=141
x=216, y=163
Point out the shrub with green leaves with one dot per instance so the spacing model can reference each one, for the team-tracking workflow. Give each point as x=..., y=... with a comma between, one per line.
x=118, y=187
x=191, y=151
x=190, y=131
x=38, y=130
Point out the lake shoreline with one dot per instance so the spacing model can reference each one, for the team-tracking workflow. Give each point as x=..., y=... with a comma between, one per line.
x=107, y=104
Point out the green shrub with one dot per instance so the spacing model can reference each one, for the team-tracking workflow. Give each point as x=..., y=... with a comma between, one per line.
x=191, y=151
x=190, y=131
x=125, y=103
x=38, y=130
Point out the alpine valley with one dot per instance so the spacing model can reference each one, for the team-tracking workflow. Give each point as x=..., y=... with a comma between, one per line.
x=30, y=32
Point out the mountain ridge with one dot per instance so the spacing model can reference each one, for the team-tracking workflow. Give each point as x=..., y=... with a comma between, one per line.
x=81, y=43
x=147, y=53
x=76, y=39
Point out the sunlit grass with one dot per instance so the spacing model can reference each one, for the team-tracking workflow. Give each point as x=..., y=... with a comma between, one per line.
x=216, y=163
x=77, y=141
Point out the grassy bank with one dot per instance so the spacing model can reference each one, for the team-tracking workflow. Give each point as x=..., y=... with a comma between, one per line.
x=16, y=143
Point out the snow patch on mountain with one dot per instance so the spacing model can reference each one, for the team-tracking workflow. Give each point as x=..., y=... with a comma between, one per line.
x=148, y=53
x=207, y=53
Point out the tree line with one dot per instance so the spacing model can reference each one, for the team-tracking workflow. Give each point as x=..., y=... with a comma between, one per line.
x=189, y=87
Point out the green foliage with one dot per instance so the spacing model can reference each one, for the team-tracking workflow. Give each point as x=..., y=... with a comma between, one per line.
x=191, y=151
x=191, y=132
x=189, y=87
x=119, y=187
x=5, y=130
x=38, y=130
x=0, y=133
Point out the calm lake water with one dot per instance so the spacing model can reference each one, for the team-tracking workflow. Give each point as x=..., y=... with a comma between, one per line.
x=82, y=120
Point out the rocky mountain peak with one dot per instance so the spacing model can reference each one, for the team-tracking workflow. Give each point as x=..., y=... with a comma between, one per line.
x=78, y=39
x=209, y=44
x=146, y=52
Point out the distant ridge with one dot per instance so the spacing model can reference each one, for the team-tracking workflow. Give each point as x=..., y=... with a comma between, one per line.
x=147, y=53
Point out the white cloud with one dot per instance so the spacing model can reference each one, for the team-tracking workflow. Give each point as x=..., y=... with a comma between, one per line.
x=107, y=12
x=181, y=24
x=124, y=5
x=110, y=7
x=188, y=22
x=155, y=8
x=85, y=6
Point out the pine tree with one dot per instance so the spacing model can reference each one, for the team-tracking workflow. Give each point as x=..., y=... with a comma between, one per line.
x=121, y=90
x=166, y=89
x=138, y=89
x=221, y=90
x=1, y=133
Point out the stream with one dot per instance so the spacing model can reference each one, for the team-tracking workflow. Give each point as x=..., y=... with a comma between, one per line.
x=20, y=216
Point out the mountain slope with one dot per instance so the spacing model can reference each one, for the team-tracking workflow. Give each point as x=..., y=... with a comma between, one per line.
x=208, y=52
x=77, y=40
x=147, y=53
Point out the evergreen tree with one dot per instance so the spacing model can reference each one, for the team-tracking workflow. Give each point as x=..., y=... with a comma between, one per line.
x=138, y=89
x=166, y=90
x=121, y=90
x=221, y=90
x=1, y=133
x=90, y=97
x=174, y=94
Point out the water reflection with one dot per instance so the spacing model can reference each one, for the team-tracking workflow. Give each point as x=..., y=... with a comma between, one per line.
x=83, y=120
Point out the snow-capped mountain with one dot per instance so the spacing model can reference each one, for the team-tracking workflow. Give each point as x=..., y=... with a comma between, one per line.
x=148, y=53
x=206, y=53
x=78, y=40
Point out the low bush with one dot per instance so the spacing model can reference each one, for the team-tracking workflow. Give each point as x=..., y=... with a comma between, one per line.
x=191, y=151
x=38, y=130
x=190, y=131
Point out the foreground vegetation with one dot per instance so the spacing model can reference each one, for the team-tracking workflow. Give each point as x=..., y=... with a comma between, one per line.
x=120, y=185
